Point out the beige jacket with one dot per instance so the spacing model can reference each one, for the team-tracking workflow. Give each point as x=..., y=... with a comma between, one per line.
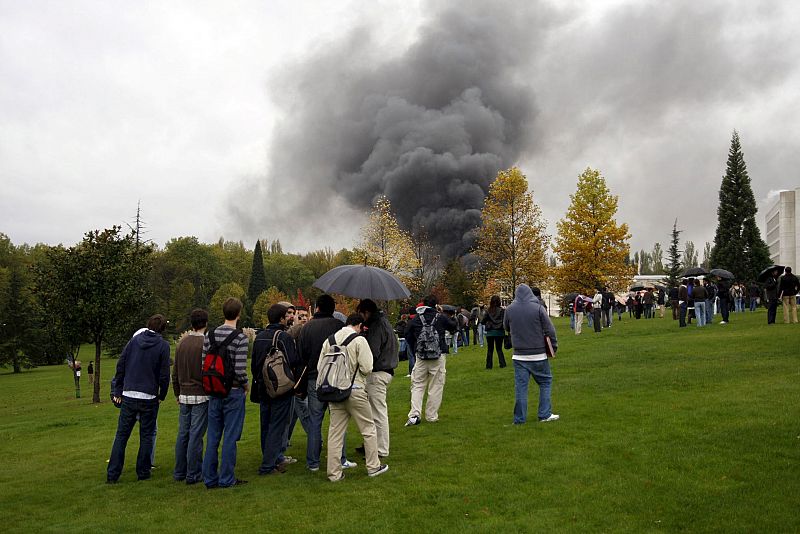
x=358, y=352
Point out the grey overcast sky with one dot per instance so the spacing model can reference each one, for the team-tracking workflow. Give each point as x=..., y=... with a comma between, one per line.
x=283, y=119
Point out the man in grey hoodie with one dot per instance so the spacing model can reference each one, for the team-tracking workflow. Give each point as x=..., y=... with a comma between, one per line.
x=528, y=323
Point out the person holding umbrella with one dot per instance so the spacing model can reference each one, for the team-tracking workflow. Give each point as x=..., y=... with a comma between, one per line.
x=771, y=285
x=789, y=287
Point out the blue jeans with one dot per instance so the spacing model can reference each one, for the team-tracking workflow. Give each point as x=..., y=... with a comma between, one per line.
x=413, y=359
x=192, y=423
x=225, y=416
x=684, y=309
x=481, y=333
x=299, y=411
x=700, y=312
x=572, y=320
x=753, y=303
x=710, y=311
x=146, y=411
x=316, y=413
x=540, y=370
x=275, y=415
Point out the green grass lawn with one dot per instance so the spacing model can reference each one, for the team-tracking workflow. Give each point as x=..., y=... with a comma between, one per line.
x=661, y=430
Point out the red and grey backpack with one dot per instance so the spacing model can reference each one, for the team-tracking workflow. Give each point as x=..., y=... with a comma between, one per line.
x=218, y=366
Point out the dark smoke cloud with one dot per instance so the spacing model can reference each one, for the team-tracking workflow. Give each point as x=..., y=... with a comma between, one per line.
x=429, y=128
x=648, y=92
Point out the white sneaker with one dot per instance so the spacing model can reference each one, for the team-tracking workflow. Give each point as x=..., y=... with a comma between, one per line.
x=414, y=420
x=379, y=471
x=553, y=417
x=722, y=322
x=347, y=464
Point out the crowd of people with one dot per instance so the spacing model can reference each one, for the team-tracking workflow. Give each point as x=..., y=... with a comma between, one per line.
x=306, y=349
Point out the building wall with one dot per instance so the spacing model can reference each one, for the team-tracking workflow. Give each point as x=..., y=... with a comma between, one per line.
x=783, y=228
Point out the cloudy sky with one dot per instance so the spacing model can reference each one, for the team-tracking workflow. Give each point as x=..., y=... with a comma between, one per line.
x=284, y=119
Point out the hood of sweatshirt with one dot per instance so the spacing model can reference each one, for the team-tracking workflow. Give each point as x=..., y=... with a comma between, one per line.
x=523, y=293
x=148, y=339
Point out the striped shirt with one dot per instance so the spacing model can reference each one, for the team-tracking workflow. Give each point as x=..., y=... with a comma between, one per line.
x=237, y=349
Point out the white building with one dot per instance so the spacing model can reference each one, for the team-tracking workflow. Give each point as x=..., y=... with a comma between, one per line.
x=783, y=229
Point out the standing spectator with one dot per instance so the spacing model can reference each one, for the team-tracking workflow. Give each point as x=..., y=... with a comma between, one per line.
x=383, y=346
x=473, y=323
x=683, y=303
x=493, y=322
x=357, y=405
x=141, y=382
x=647, y=303
x=630, y=303
x=187, y=384
x=226, y=415
x=299, y=409
x=90, y=372
x=275, y=412
x=597, y=304
x=737, y=293
x=771, y=287
x=661, y=303
x=754, y=293
x=428, y=374
x=724, y=295
x=607, y=306
x=711, y=299
x=579, y=309
x=673, y=302
x=789, y=286
x=528, y=323
x=699, y=293
x=312, y=336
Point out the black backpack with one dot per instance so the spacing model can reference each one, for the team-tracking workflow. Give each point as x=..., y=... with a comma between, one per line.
x=428, y=347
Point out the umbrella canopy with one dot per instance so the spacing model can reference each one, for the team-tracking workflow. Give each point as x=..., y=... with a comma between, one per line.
x=449, y=308
x=570, y=297
x=362, y=282
x=763, y=275
x=694, y=271
x=722, y=273
x=636, y=287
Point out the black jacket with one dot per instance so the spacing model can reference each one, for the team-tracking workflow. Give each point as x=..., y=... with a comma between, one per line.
x=789, y=285
x=312, y=336
x=383, y=344
x=772, y=288
x=261, y=347
x=494, y=320
x=441, y=322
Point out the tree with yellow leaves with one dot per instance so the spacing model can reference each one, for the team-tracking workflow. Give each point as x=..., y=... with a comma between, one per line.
x=591, y=246
x=512, y=242
x=384, y=244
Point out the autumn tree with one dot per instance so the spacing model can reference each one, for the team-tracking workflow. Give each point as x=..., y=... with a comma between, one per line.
x=428, y=266
x=512, y=241
x=262, y=303
x=674, y=267
x=591, y=245
x=738, y=246
x=384, y=244
x=458, y=283
x=231, y=289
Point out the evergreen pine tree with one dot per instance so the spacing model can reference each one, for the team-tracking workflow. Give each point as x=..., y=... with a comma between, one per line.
x=258, y=280
x=674, y=268
x=738, y=246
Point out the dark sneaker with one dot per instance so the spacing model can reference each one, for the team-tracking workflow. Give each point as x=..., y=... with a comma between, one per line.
x=379, y=471
x=412, y=421
x=239, y=483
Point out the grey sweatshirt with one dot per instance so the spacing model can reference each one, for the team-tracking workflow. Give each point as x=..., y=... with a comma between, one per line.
x=528, y=322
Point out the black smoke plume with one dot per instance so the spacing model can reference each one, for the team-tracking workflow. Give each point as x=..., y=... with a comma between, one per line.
x=429, y=128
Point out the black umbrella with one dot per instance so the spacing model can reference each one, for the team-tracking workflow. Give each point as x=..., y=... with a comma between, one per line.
x=722, y=273
x=694, y=271
x=763, y=275
x=570, y=297
x=362, y=282
x=637, y=287
x=449, y=308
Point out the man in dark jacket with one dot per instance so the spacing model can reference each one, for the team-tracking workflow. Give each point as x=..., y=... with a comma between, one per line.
x=724, y=294
x=771, y=287
x=275, y=411
x=528, y=323
x=141, y=383
x=428, y=374
x=789, y=286
x=309, y=343
x=385, y=356
x=754, y=292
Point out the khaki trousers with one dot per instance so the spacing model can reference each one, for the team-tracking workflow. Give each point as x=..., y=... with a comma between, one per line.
x=377, y=387
x=578, y=322
x=789, y=303
x=430, y=375
x=356, y=406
